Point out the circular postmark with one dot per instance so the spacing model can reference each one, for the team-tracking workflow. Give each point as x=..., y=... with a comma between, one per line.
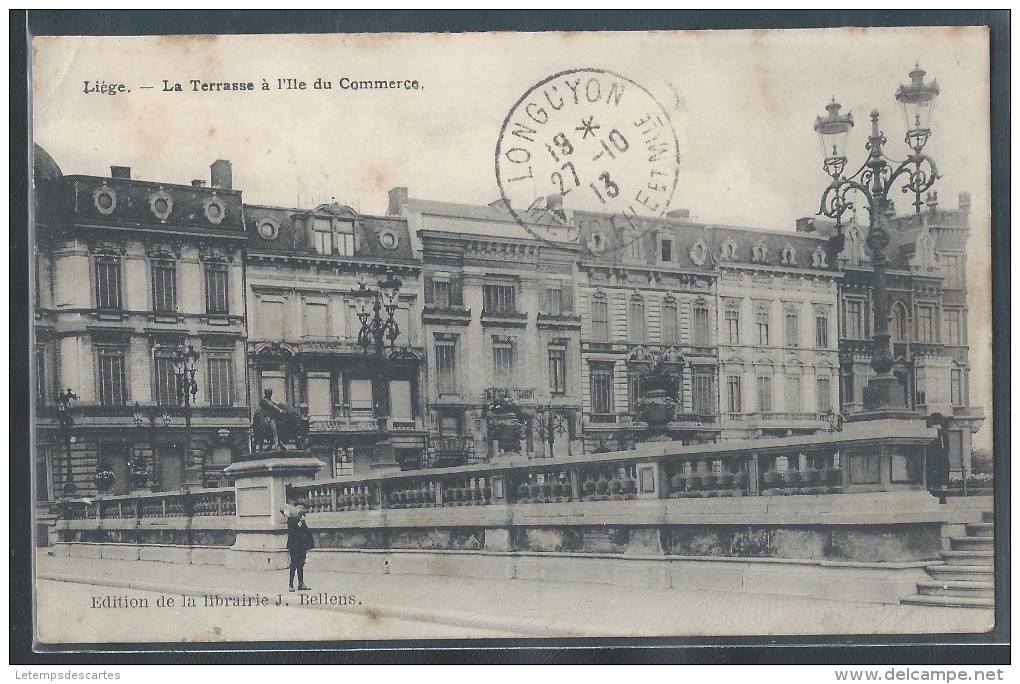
x=586, y=142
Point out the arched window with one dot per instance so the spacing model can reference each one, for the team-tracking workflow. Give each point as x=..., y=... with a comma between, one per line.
x=898, y=323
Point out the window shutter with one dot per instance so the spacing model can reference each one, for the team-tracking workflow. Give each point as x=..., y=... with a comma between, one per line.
x=457, y=290
x=429, y=294
x=543, y=300
x=567, y=299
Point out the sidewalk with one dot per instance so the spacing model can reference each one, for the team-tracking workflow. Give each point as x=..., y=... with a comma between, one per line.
x=527, y=608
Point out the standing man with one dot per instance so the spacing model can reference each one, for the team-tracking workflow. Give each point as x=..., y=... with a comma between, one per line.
x=299, y=542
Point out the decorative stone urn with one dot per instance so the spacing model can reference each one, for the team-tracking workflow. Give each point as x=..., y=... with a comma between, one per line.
x=506, y=423
x=657, y=405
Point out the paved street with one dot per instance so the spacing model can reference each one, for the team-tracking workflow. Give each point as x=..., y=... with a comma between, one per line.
x=401, y=606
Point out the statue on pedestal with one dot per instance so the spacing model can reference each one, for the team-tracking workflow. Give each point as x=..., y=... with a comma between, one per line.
x=274, y=424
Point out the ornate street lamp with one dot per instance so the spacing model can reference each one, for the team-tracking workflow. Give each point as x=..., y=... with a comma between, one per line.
x=869, y=188
x=551, y=424
x=65, y=402
x=155, y=416
x=185, y=366
x=376, y=330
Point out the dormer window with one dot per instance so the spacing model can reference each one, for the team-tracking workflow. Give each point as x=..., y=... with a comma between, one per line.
x=333, y=236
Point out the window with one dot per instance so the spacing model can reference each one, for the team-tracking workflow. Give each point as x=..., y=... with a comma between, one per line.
x=449, y=426
x=637, y=332
x=276, y=381
x=502, y=363
x=554, y=301
x=634, y=389
x=322, y=235
x=853, y=323
x=822, y=393
x=956, y=386
x=345, y=238
x=400, y=400
x=847, y=378
x=441, y=294
x=600, y=321
x=216, y=300
x=733, y=403
x=108, y=282
x=557, y=369
x=761, y=322
x=499, y=299
x=165, y=379
x=319, y=396
x=794, y=398
x=701, y=337
x=271, y=319
x=112, y=385
x=704, y=403
x=360, y=395
x=601, y=389
x=733, y=326
x=899, y=323
x=821, y=330
x=666, y=250
x=670, y=323
x=792, y=329
x=220, y=386
x=164, y=286
x=952, y=271
x=316, y=323
x=446, y=366
x=925, y=324
x=919, y=388
x=952, y=326
x=764, y=393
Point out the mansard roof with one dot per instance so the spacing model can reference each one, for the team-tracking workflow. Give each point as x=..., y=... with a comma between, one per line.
x=494, y=220
x=384, y=239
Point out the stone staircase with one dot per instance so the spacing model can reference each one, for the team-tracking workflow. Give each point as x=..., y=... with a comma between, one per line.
x=967, y=578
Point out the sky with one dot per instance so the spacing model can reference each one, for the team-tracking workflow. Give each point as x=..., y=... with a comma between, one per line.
x=742, y=105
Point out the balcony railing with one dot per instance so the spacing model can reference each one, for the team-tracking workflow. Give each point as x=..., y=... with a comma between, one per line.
x=780, y=417
x=519, y=393
x=206, y=502
x=813, y=464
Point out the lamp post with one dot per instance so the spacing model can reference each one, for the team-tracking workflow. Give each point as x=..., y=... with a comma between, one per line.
x=870, y=185
x=376, y=330
x=551, y=424
x=185, y=366
x=65, y=402
x=156, y=415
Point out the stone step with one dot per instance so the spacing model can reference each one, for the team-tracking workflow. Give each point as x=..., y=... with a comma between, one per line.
x=964, y=588
x=988, y=516
x=981, y=573
x=969, y=557
x=982, y=529
x=972, y=543
x=949, y=601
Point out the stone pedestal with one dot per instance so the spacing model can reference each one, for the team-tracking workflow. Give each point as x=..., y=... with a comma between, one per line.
x=884, y=399
x=260, y=483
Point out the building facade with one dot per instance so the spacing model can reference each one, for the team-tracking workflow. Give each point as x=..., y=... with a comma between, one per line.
x=500, y=321
x=304, y=268
x=766, y=333
x=928, y=316
x=128, y=272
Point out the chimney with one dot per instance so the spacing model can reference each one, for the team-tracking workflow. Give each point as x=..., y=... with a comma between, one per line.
x=120, y=172
x=198, y=183
x=398, y=198
x=221, y=175
x=964, y=202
